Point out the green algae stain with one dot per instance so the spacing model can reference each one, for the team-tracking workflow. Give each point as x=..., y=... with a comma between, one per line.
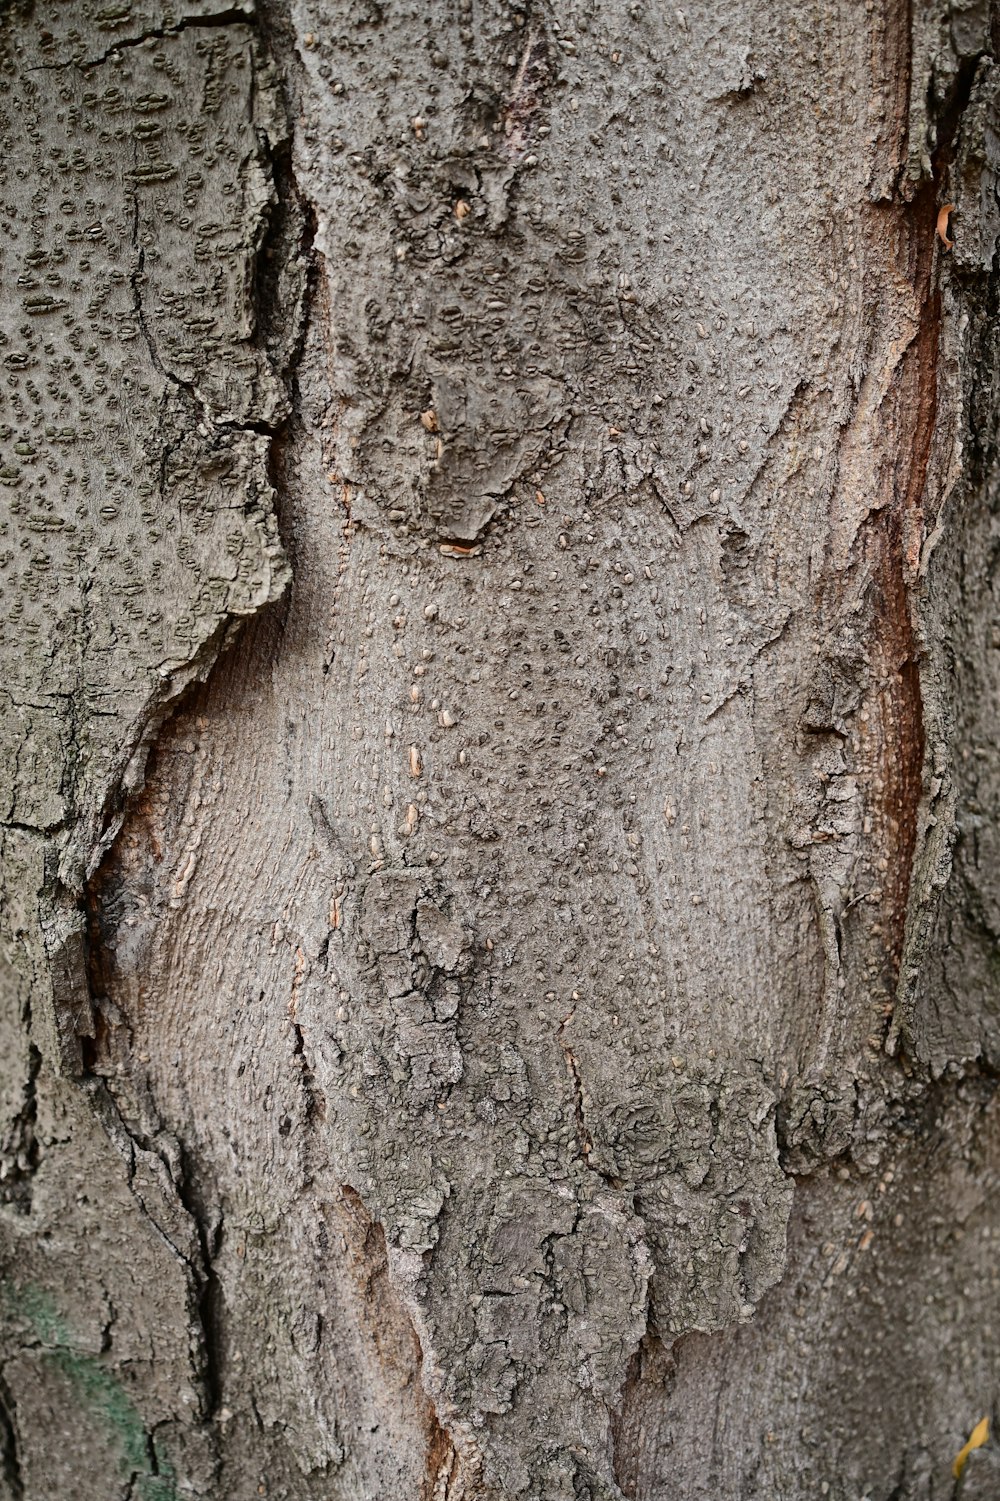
x=98, y=1390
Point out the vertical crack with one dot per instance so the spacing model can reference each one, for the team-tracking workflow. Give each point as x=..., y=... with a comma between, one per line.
x=583, y=1139
x=915, y=516
x=583, y=1136
x=211, y=1309
x=138, y=307
x=22, y=1149
x=279, y=296
x=10, y=1459
x=315, y=1100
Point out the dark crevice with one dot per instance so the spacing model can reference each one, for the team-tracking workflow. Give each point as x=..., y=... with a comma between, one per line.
x=207, y=1296
x=46, y=830
x=210, y=1299
x=283, y=276
x=118, y=803
x=623, y=1464
x=10, y=1459
x=315, y=1100
x=129, y=1142
x=464, y=546
x=22, y=1152
x=269, y=310
x=950, y=112
x=285, y=282
x=284, y=266
x=263, y=429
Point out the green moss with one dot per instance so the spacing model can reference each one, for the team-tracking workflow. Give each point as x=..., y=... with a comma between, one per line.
x=97, y=1389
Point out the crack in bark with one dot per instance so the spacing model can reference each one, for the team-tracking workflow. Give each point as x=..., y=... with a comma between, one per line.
x=170, y=376
x=210, y=1299
x=908, y=775
x=287, y=239
x=898, y=530
x=582, y=1134
x=206, y=1290
x=231, y=17
x=10, y=1458
x=23, y=1150
x=128, y=1143
x=46, y=830
x=315, y=1100
x=583, y=1137
x=292, y=224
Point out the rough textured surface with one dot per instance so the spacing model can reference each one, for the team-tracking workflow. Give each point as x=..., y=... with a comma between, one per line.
x=136, y=395
x=521, y=1023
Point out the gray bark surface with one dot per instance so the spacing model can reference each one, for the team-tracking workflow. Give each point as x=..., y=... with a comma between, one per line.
x=501, y=894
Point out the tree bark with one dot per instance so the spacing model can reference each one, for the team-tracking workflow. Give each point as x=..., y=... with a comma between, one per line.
x=501, y=871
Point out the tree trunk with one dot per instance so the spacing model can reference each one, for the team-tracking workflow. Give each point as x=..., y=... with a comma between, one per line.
x=519, y=1014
